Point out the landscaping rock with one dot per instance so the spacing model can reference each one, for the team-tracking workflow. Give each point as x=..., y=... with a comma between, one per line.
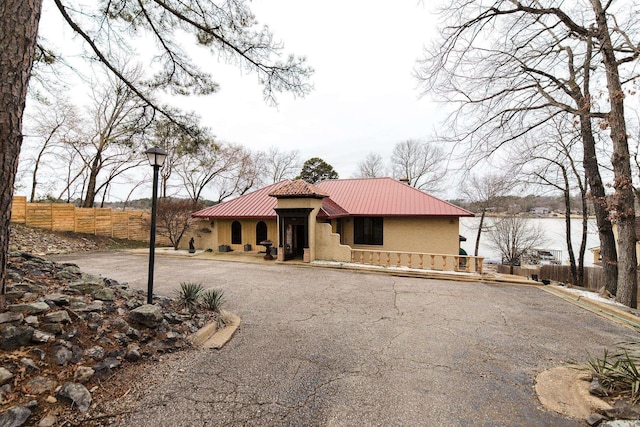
x=5, y=376
x=148, y=315
x=596, y=388
x=103, y=294
x=77, y=393
x=82, y=329
x=623, y=410
x=39, y=385
x=42, y=337
x=62, y=355
x=57, y=299
x=30, y=307
x=13, y=337
x=15, y=416
x=60, y=316
x=104, y=367
x=49, y=420
x=11, y=317
x=83, y=374
x=29, y=364
x=96, y=352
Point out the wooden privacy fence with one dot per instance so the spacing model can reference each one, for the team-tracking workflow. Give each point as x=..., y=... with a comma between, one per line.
x=129, y=225
x=593, y=276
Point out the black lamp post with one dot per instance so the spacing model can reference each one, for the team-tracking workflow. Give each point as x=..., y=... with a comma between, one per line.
x=156, y=159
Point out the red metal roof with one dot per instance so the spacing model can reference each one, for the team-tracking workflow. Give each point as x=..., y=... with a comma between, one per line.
x=386, y=197
x=347, y=197
x=256, y=204
x=331, y=209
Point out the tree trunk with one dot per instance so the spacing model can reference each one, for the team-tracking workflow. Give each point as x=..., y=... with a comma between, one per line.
x=19, y=22
x=91, y=186
x=484, y=211
x=567, y=224
x=605, y=230
x=583, y=243
x=627, y=292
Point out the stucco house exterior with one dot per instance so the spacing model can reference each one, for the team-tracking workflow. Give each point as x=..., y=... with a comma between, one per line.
x=333, y=219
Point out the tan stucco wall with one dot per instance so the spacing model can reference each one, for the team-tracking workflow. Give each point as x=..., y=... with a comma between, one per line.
x=328, y=245
x=427, y=235
x=221, y=234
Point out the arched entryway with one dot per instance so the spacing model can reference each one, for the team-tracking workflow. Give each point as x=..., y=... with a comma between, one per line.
x=293, y=231
x=261, y=232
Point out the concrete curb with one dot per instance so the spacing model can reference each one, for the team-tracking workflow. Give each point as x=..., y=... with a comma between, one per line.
x=210, y=337
x=619, y=314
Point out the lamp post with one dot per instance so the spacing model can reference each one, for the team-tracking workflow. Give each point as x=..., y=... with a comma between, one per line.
x=156, y=159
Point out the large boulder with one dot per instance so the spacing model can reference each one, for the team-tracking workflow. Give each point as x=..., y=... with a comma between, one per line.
x=148, y=315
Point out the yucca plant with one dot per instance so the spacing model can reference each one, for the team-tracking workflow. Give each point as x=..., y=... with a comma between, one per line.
x=189, y=294
x=618, y=372
x=213, y=299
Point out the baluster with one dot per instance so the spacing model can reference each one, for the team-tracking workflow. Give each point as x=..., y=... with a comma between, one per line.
x=370, y=257
x=388, y=259
x=399, y=259
x=421, y=264
x=353, y=256
x=362, y=257
x=467, y=265
x=433, y=262
x=444, y=262
x=456, y=263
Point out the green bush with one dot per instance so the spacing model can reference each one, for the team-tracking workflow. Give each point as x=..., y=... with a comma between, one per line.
x=618, y=372
x=189, y=294
x=213, y=299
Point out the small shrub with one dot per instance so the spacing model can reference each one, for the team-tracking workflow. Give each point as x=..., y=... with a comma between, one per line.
x=189, y=294
x=618, y=373
x=213, y=299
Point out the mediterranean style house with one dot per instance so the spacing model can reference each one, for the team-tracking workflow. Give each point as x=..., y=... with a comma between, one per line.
x=332, y=219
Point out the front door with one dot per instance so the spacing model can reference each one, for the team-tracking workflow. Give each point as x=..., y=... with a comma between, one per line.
x=294, y=232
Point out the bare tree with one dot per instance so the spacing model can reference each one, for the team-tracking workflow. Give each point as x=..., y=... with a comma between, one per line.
x=240, y=177
x=177, y=142
x=553, y=162
x=513, y=237
x=50, y=124
x=512, y=66
x=371, y=167
x=118, y=117
x=227, y=29
x=483, y=192
x=209, y=162
x=174, y=218
x=422, y=163
x=275, y=165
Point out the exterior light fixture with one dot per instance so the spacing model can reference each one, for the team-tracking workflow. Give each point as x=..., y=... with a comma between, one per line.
x=156, y=157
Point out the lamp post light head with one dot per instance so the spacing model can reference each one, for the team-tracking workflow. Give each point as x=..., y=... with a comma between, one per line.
x=156, y=156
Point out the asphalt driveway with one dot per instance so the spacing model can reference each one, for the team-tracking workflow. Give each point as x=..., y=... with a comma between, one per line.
x=330, y=347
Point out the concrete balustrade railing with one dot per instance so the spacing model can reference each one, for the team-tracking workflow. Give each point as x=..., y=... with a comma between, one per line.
x=418, y=260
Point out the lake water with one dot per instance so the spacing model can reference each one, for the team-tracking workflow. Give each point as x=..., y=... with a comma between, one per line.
x=554, y=234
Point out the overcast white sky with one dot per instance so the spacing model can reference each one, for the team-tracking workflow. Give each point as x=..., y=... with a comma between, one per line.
x=365, y=98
